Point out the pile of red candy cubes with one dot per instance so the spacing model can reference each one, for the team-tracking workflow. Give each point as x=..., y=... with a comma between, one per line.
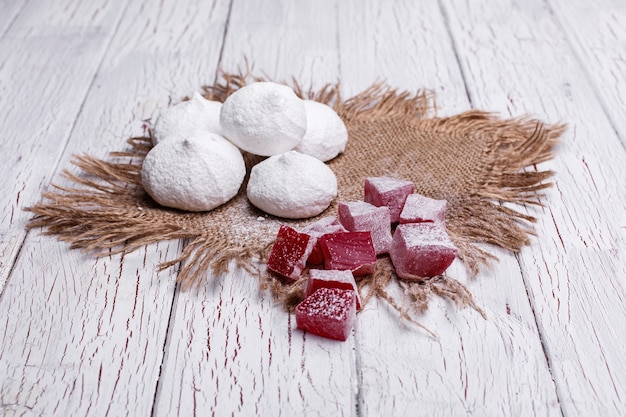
x=338, y=250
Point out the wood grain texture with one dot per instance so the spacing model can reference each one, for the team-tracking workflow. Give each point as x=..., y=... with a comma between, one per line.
x=98, y=326
x=82, y=336
x=477, y=367
x=47, y=66
x=233, y=350
x=9, y=10
x=574, y=270
x=596, y=32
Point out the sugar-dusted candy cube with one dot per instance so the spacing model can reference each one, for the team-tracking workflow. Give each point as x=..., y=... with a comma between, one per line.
x=419, y=208
x=290, y=252
x=328, y=312
x=344, y=280
x=421, y=250
x=359, y=216
x=318, y=229
x=390, y=192
x=349, y=250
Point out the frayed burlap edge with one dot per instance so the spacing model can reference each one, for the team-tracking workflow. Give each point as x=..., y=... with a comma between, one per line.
x=88, y=218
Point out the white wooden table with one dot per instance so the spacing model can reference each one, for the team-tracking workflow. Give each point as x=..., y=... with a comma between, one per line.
x=85, y=336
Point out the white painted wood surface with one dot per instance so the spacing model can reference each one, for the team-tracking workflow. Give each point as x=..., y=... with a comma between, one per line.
x=110, y=336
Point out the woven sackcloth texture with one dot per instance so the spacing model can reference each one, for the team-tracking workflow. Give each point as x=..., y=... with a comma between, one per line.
x=474, y=160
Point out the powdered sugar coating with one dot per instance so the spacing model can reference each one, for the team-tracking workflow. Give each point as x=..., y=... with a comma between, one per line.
x=328, y=312
x=418, y=208
x=264, y=118
x=321, y=278
x=290, y=252
x=328, y=224
x=292, y=185
x=353, y=251
x=194, y=174
x=390, y=192
x=318, y=229
x=359, y=216
x=189, y=118
x=421, y=250
x=326, y=134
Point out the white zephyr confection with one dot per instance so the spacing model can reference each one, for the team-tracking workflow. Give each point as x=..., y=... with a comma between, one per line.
x=194, y=174
x=326, y=134
x=264, y=118
x=292, y=185
x=189, y=118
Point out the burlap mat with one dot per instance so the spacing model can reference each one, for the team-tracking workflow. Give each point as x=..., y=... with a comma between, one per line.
x=474, y=160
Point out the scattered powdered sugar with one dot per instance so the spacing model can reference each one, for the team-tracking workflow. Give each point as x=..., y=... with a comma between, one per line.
x=292, y=185
x=264, y=118
x=189, y=118
x=326, y=134
x=194, y=174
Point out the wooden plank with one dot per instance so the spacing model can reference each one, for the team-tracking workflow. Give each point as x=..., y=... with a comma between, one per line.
x=9, y=10
x=477, y=367
x=516, y=59
x=83, y=337
x=233, y=350
x=284, y=40
x=597, y=33
x=47, y=65
x=98, y=326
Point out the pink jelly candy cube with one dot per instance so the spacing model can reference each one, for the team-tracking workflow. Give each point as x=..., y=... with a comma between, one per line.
x=344, y=280
x=359, y=216
x=318, y=229
x=349, y=250
x=328, y=312
x=390, y=192
x=418, y=208
x=290, y=252
x=421, y=250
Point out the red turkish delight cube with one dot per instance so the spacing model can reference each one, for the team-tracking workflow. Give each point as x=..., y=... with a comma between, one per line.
x=419, y=208
x=390, y=192
x=290, y=252
x=344, y=280
x=328, y=312
x=349, y=250
x=359, y=216
x=421, y=250
x=318, y=229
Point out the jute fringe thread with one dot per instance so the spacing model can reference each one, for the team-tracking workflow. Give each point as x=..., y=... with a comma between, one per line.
x=474, y=160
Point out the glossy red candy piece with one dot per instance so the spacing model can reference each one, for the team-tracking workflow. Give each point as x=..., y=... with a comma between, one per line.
x=343, y=280
x=318, y=229
x=359, y=216
x=349, y=250
x=328, y=312
x=390, y=192
x=290, y=252
x=419, y=208
x=421, y=250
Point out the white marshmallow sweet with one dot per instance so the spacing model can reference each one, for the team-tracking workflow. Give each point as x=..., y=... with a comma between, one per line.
x=292, y=185
x=198, y=173
x=264, y=118
x=326, y=134
x=189, y=118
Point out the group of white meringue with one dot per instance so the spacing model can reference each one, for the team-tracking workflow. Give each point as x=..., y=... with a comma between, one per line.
x=196, y=162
